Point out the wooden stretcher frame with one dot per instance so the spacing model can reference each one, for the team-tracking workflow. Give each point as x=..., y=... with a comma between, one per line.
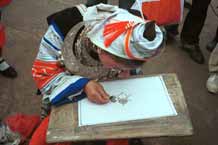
x=63, y=125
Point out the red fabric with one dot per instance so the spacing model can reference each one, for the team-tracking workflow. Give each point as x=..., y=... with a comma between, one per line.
x=4, y=3
x=23, y=124
x=2, y=36
x=164, y=12
x=43, y=72
x=39, y=136
x=118, y=142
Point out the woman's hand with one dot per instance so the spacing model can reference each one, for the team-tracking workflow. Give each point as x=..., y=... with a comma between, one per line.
x=96, y=93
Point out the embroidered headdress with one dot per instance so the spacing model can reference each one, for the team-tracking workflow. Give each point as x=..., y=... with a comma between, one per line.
x=120, y=33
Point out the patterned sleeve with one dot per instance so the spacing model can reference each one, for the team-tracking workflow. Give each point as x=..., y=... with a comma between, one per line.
x=55, y=84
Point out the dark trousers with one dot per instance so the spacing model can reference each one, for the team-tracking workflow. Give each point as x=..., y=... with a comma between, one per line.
x=125, y=4
x=0, y=21
x=216, y=37
x=194, y=21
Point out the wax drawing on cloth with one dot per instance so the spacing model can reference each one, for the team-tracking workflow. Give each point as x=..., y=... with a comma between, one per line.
x=122, y=98
x=130, y=99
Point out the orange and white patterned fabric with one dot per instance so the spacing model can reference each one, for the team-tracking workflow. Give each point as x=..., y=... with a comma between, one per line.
x=54, y=82
x=43, y=72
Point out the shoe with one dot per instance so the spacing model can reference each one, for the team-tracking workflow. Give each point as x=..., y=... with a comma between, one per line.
x=3, y=137
x=211, y=45
x=172, y=31
x=8, y=137
x=9, y=72
x=194, y=52
x=212, y=83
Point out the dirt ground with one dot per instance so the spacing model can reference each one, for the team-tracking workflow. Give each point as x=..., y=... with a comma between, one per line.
x=25, y=21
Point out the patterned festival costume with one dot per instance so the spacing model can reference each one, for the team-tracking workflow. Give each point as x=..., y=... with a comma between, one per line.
x=55, y=83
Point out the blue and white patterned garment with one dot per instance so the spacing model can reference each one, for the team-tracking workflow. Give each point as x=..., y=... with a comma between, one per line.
x=55, y=84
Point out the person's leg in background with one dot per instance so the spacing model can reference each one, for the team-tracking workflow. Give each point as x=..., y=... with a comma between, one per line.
x=187, y=4
x=5, y=69
x=212, y=44
x=95, y=2
x=192, y=27
x=212, y=82
x=126, y=4
x=173, y=30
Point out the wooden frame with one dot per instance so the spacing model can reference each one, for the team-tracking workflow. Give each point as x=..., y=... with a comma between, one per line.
x=63, y=125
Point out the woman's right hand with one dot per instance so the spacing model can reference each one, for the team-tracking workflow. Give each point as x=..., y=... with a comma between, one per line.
x=96, y=93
